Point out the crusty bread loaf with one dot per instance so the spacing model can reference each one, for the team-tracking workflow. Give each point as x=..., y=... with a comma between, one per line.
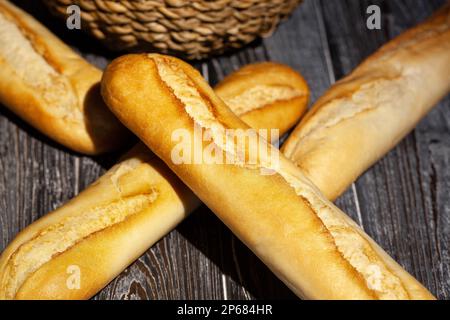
x=364, y=115
x=303, y=238
x=100, y=232
x=48, y=85
x=139, y=200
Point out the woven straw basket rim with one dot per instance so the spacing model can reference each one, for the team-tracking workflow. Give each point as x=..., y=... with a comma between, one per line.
x=192, y=29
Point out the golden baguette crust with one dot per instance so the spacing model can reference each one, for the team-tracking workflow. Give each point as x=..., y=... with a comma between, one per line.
x=110, y=224
x=265, y=95
x=306, y=241
x=364, y=115
x=101, y=231
x=48, y=85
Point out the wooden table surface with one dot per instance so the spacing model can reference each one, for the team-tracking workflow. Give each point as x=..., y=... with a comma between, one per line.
x=403, y=201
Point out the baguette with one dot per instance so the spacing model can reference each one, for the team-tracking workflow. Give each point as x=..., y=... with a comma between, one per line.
x=52, y=88
x=281, y=90
x=139, y=200
x=311, y=245
x=364, y=115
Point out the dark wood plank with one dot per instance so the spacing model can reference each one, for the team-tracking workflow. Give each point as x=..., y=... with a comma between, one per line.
x=425, y=169
x=432, y=142
x=34, y=176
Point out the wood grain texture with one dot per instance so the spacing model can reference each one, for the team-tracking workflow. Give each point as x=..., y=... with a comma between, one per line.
x=403, y=201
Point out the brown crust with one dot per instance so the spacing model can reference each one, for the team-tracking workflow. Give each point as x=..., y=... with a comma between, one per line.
x=37, y=42
x=98, y=131
x=344, y=262
x=110, y=249
x=411, y=74
x=268, y=74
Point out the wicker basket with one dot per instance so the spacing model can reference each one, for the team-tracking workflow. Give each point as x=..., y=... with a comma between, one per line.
x=193, y=29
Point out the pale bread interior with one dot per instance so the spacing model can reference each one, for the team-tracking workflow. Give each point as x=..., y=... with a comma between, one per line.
x=258, y=96
x=18, y=53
